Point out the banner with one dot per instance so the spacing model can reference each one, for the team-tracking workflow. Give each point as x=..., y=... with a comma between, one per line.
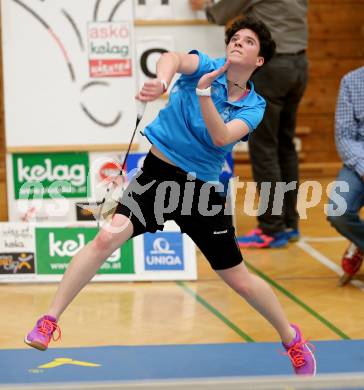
x=50, y=175
x=69, y=72
x=46, y=186
x=51, y=186
x=54, y=187
x=55, y=247
x=42, y=252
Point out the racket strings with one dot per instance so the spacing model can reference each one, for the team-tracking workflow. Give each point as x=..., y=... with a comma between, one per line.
x=108, y=204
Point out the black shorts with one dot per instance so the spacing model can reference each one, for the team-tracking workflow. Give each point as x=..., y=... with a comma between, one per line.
x=162, y=192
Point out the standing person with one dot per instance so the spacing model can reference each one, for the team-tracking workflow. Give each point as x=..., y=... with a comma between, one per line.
x=282, y=83
x=349, y=136
x=212, y=106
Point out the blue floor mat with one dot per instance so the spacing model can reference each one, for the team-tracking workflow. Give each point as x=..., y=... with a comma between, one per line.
x=134, y=363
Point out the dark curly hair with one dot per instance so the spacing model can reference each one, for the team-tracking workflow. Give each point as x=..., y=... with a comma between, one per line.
x=267, y=44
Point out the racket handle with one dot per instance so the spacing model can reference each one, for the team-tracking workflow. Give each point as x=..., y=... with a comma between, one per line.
x=140, y=109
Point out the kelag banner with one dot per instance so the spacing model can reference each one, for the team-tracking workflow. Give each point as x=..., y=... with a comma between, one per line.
x=55, y=247
x=47, y=195
x=46, y=175
x=42, y=253
x=55, y=187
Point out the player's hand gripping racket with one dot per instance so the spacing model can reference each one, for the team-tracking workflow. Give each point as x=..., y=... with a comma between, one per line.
x=109, y=202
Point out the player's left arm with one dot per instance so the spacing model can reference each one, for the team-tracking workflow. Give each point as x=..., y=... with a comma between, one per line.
x=221, y=133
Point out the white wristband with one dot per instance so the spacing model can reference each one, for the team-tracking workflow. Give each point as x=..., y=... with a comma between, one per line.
x=203, y=92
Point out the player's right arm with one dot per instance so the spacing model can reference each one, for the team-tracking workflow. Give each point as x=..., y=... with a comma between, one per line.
x=167, y=66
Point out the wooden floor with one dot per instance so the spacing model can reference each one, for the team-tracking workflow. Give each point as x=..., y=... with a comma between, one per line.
x=205, y=311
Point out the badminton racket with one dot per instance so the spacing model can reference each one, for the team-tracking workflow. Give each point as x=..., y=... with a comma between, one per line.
x=108, y=204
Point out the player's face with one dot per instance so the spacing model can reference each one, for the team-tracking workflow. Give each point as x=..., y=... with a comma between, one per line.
x=243, y=48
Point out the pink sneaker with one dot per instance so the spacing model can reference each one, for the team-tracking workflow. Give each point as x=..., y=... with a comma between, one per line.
x=302, y=358
x=42, y=333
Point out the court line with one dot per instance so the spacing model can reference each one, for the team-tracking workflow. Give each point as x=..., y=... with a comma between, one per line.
x=214, y=311
x=295, y=299
x=323, y=239
x=317, y=255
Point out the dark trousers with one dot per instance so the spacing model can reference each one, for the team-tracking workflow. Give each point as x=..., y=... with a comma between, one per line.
x=282, y=83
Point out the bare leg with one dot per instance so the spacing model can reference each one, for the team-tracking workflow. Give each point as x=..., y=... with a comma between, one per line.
x=86, y=263
x=260, y=296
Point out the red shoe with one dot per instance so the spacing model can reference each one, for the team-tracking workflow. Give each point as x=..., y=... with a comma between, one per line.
x=351, y=263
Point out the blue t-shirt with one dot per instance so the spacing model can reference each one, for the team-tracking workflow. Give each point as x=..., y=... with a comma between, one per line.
x=179, y=130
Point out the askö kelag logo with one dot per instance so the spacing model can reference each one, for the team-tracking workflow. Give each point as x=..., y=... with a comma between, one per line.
x=163, y=251
x=109, y=49
x=50, y=175
x=55, y=247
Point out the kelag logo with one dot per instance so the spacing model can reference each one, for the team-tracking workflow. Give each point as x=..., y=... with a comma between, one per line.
x=56, y=246
x=163, y=251
x=50, y=175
